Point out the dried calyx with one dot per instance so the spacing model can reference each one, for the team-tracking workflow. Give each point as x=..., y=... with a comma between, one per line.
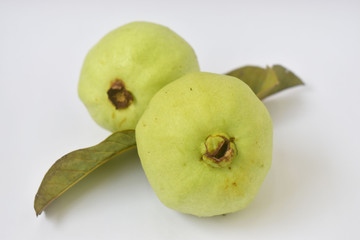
x=119, y=96
x=218, y=150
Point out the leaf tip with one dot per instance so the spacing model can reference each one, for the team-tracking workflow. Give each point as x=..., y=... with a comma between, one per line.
x=36, y=208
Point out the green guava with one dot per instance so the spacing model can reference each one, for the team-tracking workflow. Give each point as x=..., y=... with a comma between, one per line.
x=205, y=144
x=127, y=67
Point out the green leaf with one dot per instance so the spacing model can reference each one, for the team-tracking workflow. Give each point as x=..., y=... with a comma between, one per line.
x=251, y=75
x=287, y=79
x=268, y=81
x=74, y=166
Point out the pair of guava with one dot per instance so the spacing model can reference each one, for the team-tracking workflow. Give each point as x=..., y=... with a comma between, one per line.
x=204, y=139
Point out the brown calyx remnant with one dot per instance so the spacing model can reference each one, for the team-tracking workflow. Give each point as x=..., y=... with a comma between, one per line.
x=119, y=96
x=222, y=152
x=218, y=151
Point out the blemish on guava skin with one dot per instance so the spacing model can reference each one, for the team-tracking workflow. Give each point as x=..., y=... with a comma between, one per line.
x=229, y=168
x=190, y=89
x=118, y=95
x=234, y=184
x=122, y=121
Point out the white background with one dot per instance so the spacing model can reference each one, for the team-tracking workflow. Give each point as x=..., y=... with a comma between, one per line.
x=312, y=190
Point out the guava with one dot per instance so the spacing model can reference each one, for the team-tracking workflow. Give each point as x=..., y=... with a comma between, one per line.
x=205, y=144
x=122, y=72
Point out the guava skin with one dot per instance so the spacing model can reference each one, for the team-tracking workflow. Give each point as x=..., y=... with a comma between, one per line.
x=130, y=64
x=193, y=110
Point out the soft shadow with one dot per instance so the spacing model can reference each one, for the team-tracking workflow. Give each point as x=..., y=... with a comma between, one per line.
x=126, y=163
x=286, y=106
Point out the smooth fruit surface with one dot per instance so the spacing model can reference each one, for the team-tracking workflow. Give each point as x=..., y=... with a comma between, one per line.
x=205, y=143
x=127, y=67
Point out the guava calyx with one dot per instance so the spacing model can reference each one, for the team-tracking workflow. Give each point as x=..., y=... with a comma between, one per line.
x=218, y=150
x=119, y=96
